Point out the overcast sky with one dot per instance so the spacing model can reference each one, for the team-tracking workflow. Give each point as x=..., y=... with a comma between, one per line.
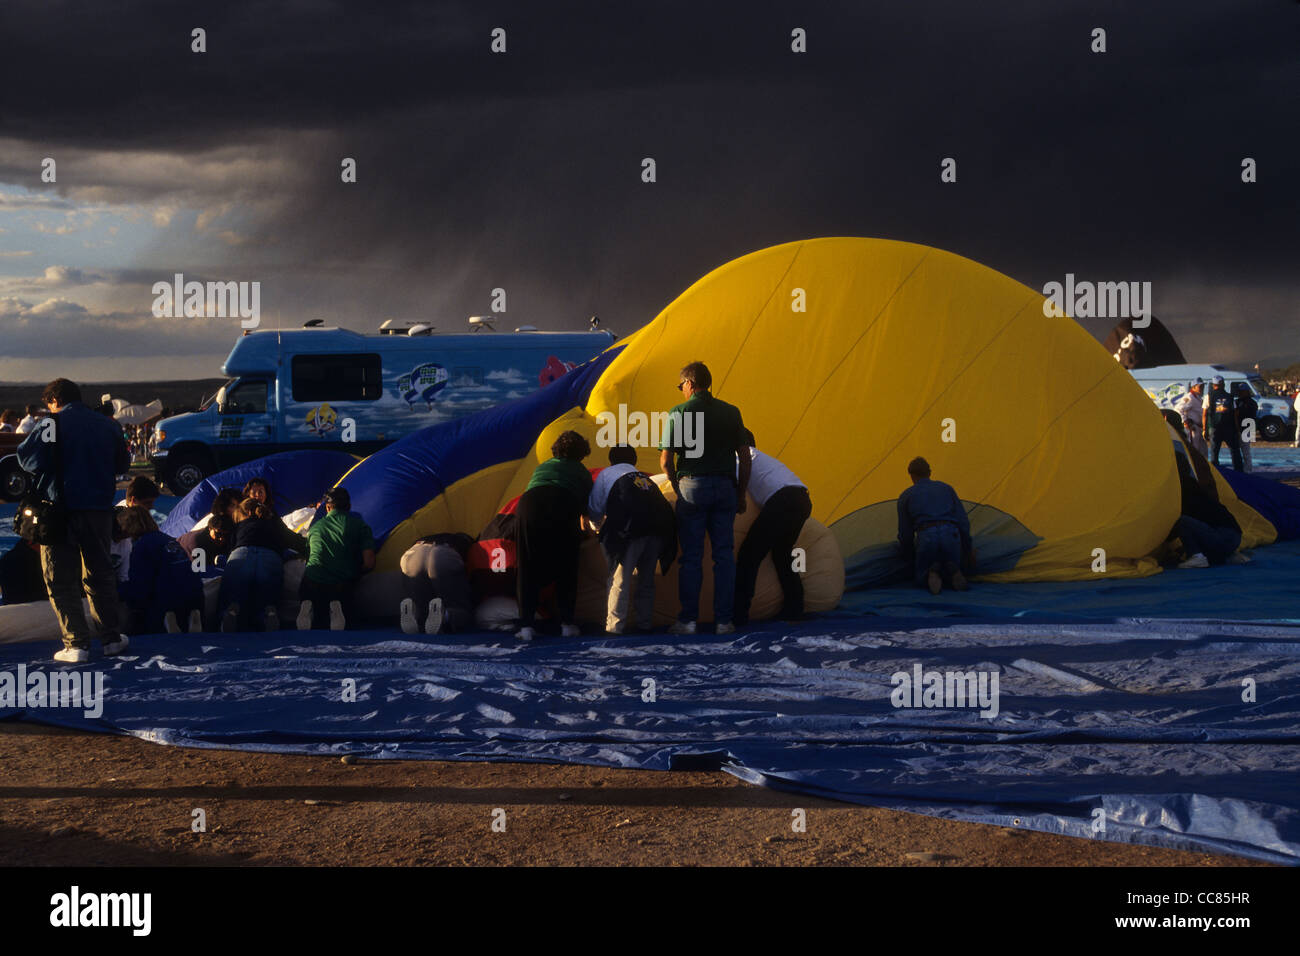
x=522, y=170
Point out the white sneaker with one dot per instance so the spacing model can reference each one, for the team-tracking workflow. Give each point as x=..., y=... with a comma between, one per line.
x=336, y=616
x=72, y=655
x=570, y=630
x=304, y=616
x=433, y=623
x=170, y=624
x=113, y=648
x=1197, y=560
x=1238, y=558
x=270, y=619
x=725, y=629
x=406, y=610
x=196, y=621
x=682, y=627
x=525, y=634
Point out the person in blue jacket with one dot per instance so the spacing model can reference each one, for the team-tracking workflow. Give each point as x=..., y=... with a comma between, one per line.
x=933, y=530
x=75, y=457
x=161, y=589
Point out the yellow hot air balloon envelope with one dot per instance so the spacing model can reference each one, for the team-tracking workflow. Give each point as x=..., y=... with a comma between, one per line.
x=903, y=350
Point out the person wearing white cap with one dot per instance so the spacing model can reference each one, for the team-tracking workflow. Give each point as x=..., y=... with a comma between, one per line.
x=1191, y=408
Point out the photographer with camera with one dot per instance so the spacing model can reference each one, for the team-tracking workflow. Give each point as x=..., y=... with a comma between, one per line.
x=75, y=456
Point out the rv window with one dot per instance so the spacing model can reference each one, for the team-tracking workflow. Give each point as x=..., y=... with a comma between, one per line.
x=1262, y=389
x=337, y=378
x=246, y=398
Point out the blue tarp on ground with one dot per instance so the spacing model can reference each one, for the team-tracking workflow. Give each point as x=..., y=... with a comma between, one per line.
x=1277, y=502
x=1267, y=589
x=1137, y=725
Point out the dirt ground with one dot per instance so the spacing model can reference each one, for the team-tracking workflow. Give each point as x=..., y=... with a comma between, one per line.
x=78, y=799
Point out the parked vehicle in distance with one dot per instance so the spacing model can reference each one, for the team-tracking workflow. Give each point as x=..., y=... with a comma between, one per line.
x=1165, y=383
x=334, y=388
x=14, y=482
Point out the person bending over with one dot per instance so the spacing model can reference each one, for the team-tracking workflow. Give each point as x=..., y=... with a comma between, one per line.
x=550, y=533
x=437, y=585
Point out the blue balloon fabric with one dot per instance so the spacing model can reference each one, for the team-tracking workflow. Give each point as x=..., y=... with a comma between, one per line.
x=297, y=479
x=1278, y=503
x=394, y=483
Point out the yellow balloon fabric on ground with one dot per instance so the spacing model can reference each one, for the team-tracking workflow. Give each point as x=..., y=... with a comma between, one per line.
x=849, y=357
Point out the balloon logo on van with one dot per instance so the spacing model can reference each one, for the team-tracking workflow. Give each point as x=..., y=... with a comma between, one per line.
x=423, y=383
x=553, y=369
x=322, y=419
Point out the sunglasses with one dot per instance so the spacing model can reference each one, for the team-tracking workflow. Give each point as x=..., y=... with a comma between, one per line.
x=681, y=385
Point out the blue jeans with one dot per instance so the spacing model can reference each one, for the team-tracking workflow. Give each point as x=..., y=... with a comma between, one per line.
x=707, y=504
x=253, y=580
x=939, y=544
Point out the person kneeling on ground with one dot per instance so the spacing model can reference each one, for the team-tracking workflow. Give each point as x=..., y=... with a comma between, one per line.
x=550, y=533
x=933, y=530
x=437, y=585
x=341, y=550
x=1209, y=532
x=637, y=531
x=161, y=589
x=254, y=572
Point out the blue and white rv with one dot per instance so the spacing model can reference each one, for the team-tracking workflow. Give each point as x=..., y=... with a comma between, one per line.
x=333, y=388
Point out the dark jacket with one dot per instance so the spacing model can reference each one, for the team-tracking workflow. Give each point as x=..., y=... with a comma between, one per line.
x=637, y=509
x=93, y=452
x=269, y=533
x=1197, y=504
x=160, y=580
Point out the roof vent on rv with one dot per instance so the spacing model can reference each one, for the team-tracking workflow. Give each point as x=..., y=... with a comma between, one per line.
x=477, y=323
x=404, y=327
x=526, y=328
x=313, y=324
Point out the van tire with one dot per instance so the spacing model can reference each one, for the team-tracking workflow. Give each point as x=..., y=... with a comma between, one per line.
x=1273, y=429
x=185, y=470
x=14, y=482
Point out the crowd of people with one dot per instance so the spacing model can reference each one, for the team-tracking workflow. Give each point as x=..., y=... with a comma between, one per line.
x=1219, y=417
x=138, y=579
x=141, y=439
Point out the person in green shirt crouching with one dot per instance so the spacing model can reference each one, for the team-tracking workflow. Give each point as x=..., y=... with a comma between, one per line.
x=342, y=549
x=550, y=533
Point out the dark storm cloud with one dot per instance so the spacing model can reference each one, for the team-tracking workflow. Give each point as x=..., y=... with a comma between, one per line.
x=522, y=170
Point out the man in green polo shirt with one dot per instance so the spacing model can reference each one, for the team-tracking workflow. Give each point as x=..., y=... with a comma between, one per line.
x=699, y=456
x=342, y=549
